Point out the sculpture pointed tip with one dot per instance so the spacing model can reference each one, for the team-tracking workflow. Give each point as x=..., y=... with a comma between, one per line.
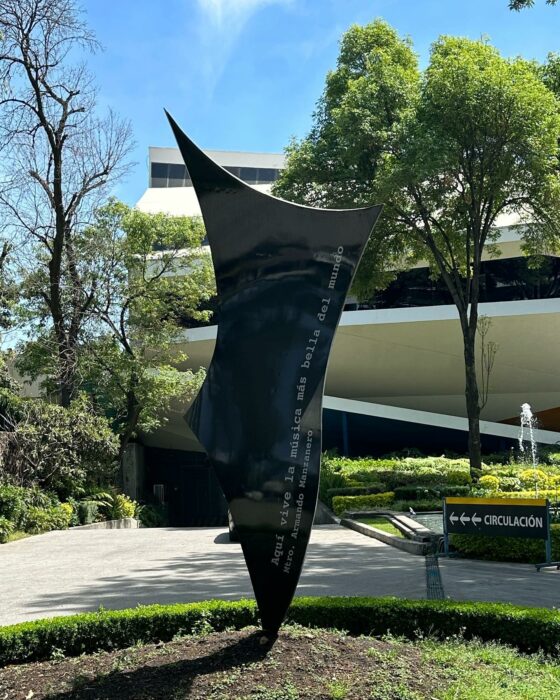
x=170, y=118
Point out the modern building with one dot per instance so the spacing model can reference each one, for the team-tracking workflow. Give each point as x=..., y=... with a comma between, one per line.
x=396, y=373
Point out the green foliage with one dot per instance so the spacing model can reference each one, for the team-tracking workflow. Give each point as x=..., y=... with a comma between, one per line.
x=32, y=510
x=364, y=490
x=420, y=505
x=151, y=515
x=61, y=449
x=522, y=4
x=418, y=471
x=507, y=548
x=330, y=478
x=87, y=512
x=551, y=494
x=447, y=152
x=489, y=482
x=528, y=629
x=531, y=477
x=6, y=529
x=156, y=281
x=379, y=500
x=122, y=507
x=415, y=492
x=508, y=483
x=107, y=505
x=39, y=520
x=13, y=503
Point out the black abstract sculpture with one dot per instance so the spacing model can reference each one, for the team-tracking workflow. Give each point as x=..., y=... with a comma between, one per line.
x=282, y=275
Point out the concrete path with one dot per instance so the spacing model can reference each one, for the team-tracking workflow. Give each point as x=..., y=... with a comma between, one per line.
x=70, y=571
x=465, y=579
x=61, y=573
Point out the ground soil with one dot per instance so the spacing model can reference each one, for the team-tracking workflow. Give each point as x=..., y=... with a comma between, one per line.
x=300, y=664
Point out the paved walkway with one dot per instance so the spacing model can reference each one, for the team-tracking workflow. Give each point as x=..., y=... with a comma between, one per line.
x=70, y=571
x=465, y=579
x=60, y=573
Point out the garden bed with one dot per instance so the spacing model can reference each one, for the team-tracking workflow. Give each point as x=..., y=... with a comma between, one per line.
x=303, y=664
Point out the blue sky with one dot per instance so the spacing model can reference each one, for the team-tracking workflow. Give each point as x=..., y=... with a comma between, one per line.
x=245, y=74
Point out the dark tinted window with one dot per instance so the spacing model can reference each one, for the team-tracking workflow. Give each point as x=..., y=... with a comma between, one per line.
x=267, y=175
x=159, y=175
x=249, y=175
x=512, y=279
x=233, y=171
x=177, y=174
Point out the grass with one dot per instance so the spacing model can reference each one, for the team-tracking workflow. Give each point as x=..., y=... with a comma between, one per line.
x=477, y=671
x=18, y=535
x=304, y=664
x=382, y=524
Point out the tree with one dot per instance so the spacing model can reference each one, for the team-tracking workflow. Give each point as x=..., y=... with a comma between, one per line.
x=522, y=4
x=152, y=279
x=64, y=450
x=59, y=156
x=447, y=152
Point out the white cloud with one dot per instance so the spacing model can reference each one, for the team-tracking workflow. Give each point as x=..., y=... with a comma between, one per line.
x=232, y=15
x=223, y=22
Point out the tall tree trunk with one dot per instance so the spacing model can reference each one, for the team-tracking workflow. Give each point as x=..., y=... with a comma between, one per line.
x=133, y=410
x=472, y=398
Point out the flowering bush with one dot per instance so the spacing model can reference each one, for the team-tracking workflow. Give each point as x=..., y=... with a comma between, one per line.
x=489, y=482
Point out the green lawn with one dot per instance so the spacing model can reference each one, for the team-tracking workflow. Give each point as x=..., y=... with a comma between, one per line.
x=477, y=671
x=18, y=535
x=382, y=524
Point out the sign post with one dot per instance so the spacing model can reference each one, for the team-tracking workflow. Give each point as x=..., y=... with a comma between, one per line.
x=499, y=517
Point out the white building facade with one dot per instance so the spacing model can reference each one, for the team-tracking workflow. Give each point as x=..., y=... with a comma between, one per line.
x=396, y=373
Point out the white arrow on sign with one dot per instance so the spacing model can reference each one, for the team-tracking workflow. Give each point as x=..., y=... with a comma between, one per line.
x=453, y=518
x=476, y=520
x=464, y=519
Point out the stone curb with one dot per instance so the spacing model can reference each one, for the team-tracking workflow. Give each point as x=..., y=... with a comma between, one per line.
x=420, y=548
x=122, y=524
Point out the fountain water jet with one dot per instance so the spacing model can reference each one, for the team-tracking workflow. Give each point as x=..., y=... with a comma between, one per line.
x=529, y=423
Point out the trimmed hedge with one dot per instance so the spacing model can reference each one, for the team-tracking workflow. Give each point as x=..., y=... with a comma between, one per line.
x=377, y=500
x=518, y=549
x=551, y=494
x=423, y=471
x=528, y=629
x=418, y=492
x=365, y=490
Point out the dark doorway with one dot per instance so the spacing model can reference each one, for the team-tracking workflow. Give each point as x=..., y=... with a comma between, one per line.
x=190, y=488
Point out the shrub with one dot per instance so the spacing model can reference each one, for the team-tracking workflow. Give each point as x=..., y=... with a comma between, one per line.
x=357, y=490
x=12, y=503
x=489, y=482
x=69, y=448
x=528, y=629
x=6, y=529
x=378, y=500
x=121, y=506
x=530, y=477
x=330, y=478
x=551, y=494
x=509, y=483
x=39, y=520
x=416, y=492
x=400, y=472
x=420, y=505
x=151, y=515
x=87, y=512
x=507, y=548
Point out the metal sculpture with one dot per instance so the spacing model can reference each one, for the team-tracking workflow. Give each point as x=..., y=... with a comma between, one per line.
x=282, y=275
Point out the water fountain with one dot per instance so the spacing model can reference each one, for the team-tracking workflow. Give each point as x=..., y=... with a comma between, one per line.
x=528, y=452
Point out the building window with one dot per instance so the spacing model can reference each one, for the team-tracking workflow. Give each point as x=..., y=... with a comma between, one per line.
x=176, y=175
x=267, y=175
x=158, y=175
